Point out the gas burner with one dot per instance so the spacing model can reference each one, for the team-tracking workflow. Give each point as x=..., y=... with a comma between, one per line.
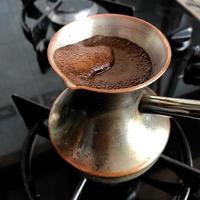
x=70, y=10
x=177, y=157
x=41, y=19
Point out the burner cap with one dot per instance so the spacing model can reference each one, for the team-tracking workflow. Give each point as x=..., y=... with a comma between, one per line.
x=71, y=10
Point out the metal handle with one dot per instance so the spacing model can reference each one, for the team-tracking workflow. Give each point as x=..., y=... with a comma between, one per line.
x=170, y=106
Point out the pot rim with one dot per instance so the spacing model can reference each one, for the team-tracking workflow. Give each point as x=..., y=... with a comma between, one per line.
x=72, y=86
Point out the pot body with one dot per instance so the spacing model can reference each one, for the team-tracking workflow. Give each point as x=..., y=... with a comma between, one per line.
x=105, y=136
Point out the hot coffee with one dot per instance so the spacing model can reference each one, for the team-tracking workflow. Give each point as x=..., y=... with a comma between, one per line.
x=104, y=62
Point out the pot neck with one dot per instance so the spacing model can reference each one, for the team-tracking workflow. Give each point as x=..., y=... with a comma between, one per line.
x=102, y=101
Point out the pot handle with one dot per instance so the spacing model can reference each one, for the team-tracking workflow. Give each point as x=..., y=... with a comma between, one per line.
x=170, y=106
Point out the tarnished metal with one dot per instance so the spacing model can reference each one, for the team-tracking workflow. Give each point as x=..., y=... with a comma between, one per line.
x=170, y=106
x=105, y=136
x=101, y=132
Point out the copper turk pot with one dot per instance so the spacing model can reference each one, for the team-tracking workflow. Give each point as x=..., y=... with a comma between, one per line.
x=109, y=134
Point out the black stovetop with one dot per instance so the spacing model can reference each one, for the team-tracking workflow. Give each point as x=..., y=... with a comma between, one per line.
x=21, y=74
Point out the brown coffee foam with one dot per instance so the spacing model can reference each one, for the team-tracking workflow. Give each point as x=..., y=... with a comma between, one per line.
x=84, y=61
x=122, y=63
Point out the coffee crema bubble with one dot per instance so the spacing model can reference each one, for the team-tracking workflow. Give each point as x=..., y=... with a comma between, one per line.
x=104, y=62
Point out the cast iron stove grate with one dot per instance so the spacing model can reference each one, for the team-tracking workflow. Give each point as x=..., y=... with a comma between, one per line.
x=39, y=22
x=180, y=162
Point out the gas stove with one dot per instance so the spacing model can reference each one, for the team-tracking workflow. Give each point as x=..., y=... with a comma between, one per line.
x=45, y=176
x=172, y=177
